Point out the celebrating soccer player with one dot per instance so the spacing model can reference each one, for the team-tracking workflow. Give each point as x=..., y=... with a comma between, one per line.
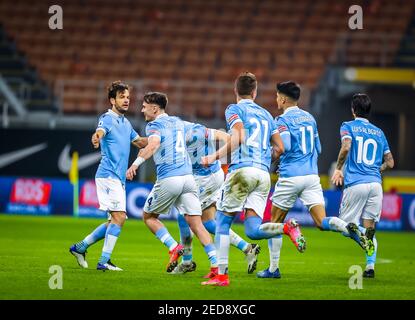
x=247, y=186
x=365, y=155
x=200, y=142
x=298, y=172
x=115, y=134
x=175, y=185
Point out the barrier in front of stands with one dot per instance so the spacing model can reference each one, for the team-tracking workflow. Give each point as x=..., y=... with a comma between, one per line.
x=43, y=196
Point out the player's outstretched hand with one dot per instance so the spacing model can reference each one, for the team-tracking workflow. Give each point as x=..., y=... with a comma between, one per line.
x=131, y=172
x=95, y=140
x=207, y=160
x=337, y=178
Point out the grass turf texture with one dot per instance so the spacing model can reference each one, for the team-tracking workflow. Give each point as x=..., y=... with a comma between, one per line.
x=30, y=245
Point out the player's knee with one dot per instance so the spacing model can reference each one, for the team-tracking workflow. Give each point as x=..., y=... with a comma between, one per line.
x=252, y=228
x=118, y=218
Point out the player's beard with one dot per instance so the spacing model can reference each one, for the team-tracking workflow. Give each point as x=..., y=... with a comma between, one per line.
x=121, y=110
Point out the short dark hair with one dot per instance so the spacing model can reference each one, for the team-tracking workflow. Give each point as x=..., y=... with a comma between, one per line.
x=361, y=105
x=157, y=98
x=115, y=87
x=290, y=89
x=246, y=83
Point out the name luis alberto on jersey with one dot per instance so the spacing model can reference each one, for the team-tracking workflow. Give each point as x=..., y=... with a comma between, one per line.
x=367, y=131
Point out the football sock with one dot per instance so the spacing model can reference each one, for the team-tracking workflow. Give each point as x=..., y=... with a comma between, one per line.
x=164, y=236
x=371, y=260
x=257, y=231
x=186, y=237
x=111, y=237
x=334, y=224
x=210, y=226
x=96, y=235
x=237, y=241
x=222, y=240
x=210, y=250
x=274, y=246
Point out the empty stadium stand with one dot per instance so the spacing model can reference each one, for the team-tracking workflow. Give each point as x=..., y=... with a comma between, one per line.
x=193, y=50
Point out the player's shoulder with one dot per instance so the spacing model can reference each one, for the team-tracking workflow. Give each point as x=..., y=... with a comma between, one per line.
x=232, y=107
x=105, y=115
x=348, y=123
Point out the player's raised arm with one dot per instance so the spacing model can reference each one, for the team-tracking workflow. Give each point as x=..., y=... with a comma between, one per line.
x=96, y=137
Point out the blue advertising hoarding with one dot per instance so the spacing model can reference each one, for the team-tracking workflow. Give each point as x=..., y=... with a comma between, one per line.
x=44, y=196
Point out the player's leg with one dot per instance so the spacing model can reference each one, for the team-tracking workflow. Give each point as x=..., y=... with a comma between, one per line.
x=283, y=199
x=188, y=202
x=186, y=237
x=312, y=197
x=229, y=204
x=371, y=215
x=369, y=225
x=111, y=236
x=251, y=250
x=353, y=202
x=78, y=250
x=112, y=198
x=159, y=201
x=274, y=246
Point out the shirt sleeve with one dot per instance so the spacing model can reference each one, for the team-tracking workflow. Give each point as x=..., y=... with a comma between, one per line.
x=105, y=124
x=153, y=129
x=274, y=127
x=133, y=135
x=284, y=132
x=233, y=115
x=345, y=131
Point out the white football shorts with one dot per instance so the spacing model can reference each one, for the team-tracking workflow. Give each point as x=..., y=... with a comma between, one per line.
x=209, y=188
x=362, y=201
x=307, y=188
x=180, y=192
x=245, y=188
x=111, y=195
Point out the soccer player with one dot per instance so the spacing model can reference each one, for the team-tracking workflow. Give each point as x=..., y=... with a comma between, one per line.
x=248, y=182
x=298, y=172
x=175, y=183
x=115, y=134
x=365, y=155
x=200, y=142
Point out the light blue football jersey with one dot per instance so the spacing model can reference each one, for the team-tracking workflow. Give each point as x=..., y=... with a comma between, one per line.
x=171, y=158
x=115, y=145
x=300, y=128
x=365, y=157
x=200, y=142
x=259, y=127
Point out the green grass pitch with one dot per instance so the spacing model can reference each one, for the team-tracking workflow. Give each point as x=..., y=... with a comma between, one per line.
x=30, y=245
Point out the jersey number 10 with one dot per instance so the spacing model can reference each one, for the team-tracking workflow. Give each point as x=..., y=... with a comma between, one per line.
x=363, y=148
